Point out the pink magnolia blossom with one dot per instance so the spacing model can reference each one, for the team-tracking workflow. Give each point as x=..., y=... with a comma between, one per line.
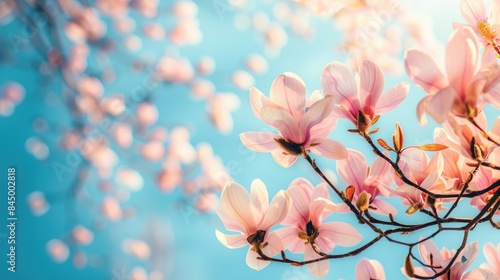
x=440, y=259
x=252, y=217
x=458, y=135
x=492, y=255
x=423, y=171
x=300, y=129
x=486, y=27
x=310, y=206
x=361, y=95
x=369, y=269
x=373, y=180
x=458, y=92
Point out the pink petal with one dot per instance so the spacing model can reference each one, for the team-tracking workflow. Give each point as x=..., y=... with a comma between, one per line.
x=462, y=60
x=277, y=211
x=342, y=112
x=258, y=101
x=318, y=269
x=320, y=191
x=427, y=248
x=325, y=127
x=328, y=148
x=494, y=13
x=424, y=72
x=338, y=81
x=371, y=85
x=282, y=159
x=300, y=191
x=315, y=115
x=259, y=198
x=422, y=119
x=479, y=274
x=274, y=244
x=467, y=257
x=340, y=233
x=260, y=141
x=235, y=202
x=282, y=121
x=383, y=207
x=289, y=91
x=474, y=11
x=320, y=208
x=253, y=262
x=352, y=170
x=392, y=98
x=369, y=269
x=228, y=221
x=231, y=241
x=439, y=106
x=290, y=238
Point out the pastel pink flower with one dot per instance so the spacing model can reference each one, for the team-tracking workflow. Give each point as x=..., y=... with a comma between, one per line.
x=300, y=129
x=458, y=92
x=486, y=27
x=369, y=269
x=374, y=181
x=458, y=135
x=361, y=93
x=482, y=180
x=252, y=216
x=440, y=259
x=423, y=171
x=492, y=255
x=310, y=206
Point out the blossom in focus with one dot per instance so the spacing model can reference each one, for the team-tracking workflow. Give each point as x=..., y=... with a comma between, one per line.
x=423, y=171
x=486, y=27
x=354, y=171
x=252, y=216
x=369, y=269
x=360, y=99
x=430, y=254
x=301, y=129
x=466, y=84
x=306, y=228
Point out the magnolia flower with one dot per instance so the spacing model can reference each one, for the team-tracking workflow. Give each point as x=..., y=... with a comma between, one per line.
x=465, y=82
x=354, y=171
x=360, y=98
x=463, y=137
x=486, y=27
x=369, y=269
x=311, y=205
x=423, y=171
x=252, y=216
x=430, y=254
x=300, y=129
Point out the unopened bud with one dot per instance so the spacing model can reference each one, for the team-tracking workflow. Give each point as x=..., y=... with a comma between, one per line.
x=409, y=269
x=363, y=201
x=414, y=208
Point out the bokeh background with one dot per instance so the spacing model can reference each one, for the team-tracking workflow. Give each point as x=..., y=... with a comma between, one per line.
x=180, y=236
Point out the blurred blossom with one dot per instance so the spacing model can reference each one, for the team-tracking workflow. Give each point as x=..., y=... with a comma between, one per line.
x=152, y=151
x=111, y=209
x=136, y=248
x=82, y=235
x=257, y=64
x=130, y=179
x=147, y=114
x=57, y=250
x=37, y=203
x=205, y=66
x=242, y=79
x=37, y=148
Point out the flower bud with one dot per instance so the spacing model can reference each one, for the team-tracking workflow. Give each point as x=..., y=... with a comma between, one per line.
x=363, y=201
x=409, y=269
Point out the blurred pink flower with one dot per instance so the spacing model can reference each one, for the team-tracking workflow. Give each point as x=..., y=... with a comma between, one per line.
x=310, y=206
x=300, y=129
x=252, y=216
x=361, y=95
x=492, y=255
